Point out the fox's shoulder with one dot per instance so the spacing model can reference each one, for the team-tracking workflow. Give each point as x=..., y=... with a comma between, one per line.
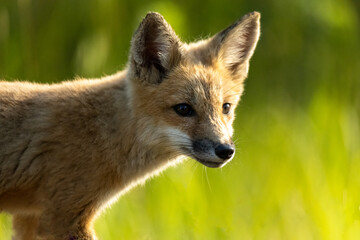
x=19, y=89
x=20, y=86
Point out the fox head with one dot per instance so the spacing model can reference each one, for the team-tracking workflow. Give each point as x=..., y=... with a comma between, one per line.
x=184, y=95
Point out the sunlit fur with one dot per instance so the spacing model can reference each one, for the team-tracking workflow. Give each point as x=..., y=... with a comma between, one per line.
x=68, y=150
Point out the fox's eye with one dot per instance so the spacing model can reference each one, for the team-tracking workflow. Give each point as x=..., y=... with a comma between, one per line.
x=226, y=108
x=184, y=110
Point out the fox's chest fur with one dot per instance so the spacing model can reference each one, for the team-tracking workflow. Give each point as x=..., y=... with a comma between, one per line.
x=68, y=149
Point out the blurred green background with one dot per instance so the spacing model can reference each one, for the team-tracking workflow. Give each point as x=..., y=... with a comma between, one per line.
x=296, y=174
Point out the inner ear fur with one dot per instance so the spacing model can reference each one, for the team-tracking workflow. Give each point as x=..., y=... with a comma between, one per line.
x=155, y=48
x=234, y=46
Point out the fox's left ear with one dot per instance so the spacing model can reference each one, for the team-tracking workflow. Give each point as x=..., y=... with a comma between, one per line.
x=234, y=46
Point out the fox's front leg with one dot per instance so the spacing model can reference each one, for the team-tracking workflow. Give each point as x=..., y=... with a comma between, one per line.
x=25, y=227
x=65, y=224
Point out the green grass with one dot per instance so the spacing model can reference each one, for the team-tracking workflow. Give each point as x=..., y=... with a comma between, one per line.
x=296, y=170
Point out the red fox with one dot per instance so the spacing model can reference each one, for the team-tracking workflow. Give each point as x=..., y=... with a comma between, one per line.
x=69, y=149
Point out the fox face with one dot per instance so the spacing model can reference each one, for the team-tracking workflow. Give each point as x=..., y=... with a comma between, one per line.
x=187, y=93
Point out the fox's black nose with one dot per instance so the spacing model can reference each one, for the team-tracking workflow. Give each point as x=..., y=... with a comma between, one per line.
x=224, y=151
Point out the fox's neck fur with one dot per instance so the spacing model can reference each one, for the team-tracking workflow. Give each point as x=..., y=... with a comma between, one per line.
x=139, y=151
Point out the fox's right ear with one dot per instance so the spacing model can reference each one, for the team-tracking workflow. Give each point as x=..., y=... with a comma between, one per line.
x=234, y=46
x=155, y=49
